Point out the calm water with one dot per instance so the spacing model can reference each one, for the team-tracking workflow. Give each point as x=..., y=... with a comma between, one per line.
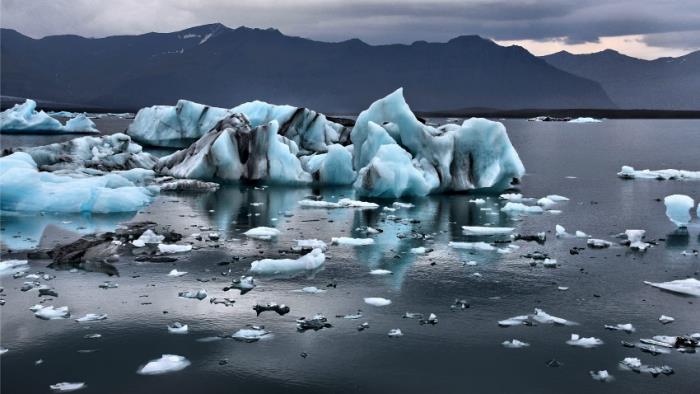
x=462, y=353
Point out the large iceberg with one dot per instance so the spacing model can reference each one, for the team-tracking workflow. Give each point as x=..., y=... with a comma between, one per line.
x=24, y=118
x=392, y=153
x=24, y=188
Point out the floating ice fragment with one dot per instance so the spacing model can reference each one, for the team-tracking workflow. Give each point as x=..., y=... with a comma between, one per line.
x=175, y=273
x=678, y=208
x=25, y=118
x=316, y=323
x=178, y=328
x=90, y=317
x=244, y=284
x=342, y=203
x=307, y=262
x=514, y=321
x=520, y=208
x=587, y=343
x=173, y=248
x=545, y=318
x=515, y=344
x=483, y=246
x=11, y=266
x=311, y=244
x=420, y=250
x=666, y=319
x=689, y=286
x=148, y=237
x=581, y=234
x=560, y=231
x=395, y=333
x=51, y=313
x=167, y=363
x=402, y=205
x=514, y=197
x=628, y=328
x=584, y=120
x=628, y=172
x=550, y=263
x=380, y=272
x=194, y=294
x=65, y=387
x=545, y=202
x=486, y=230
x=264, y=233
x=280, y=309
x=352, y=241
x=598, y=243
x=635, y=238
x=251, y=334
x=312, y=290
x=377, y=301
x=477, y=201
x=601, y=376
x=557, y=198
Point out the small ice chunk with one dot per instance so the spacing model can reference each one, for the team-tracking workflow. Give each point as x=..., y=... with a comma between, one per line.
x=419, y=250
x=584, y=120
x=514, y=197
x=167, y=363
x=486, y=230
x=678, y=208
x=482, y=246
x=263, y=233
x=380, y=272
x=309, y=261
x=628, y=327
x=635, y=238
x=561, y=231
x=545, y=202
x=520, y=208
x=178, y=328
x=342, y=203
x=581, y=234
x=251, y=334
x=52, y=313
x=65, y=387
x=587, y=343
x=352, y=241
x=175, y=273
x=514, y=321
x=377, y=301
x=91, y=317
x=198, y=294
x=173, y=248
x=689, y=286
x=550, y=263
x=515, y=344
x=598, y=243
x=628, y=172
x=312, y=290
x=557, y=198
x=545, y=318
x=477, y=201
x=311, y=244
x=601, y=376
x=402, y=205
x=148, y=237
x=395, y=333
x=632, y=363
x=244, y=284
x=666, y=319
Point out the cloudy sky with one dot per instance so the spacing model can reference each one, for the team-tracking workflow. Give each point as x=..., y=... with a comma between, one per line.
x=642, y=28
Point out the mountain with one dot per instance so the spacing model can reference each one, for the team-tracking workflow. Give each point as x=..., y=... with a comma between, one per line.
x=664, y=83
x=221, y=66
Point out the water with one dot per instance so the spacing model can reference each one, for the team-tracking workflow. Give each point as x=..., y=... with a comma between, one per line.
x=461, y=353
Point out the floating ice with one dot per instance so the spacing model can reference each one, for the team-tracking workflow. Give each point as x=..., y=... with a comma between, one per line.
x=478, y=201
x=545, y=318
x=25, y=118
x=515, y=344
x=194, y=294
x=11, y=266
x=311, y=290
x=588, y=343
x=419, y=250
x=51, y=313
x=628, y=327
x=308, y=262
x=175, y=273
x=666, y=319
x=520, y=208
x=65, y=387
x=148, y=237
x=483, y=246
x=512, y=197
x=678, y=208
x=91, y=317
x=377, y=301
x=581, y=234
x=167, y=363
x=550, y=263
x=342, y=203
x=311, y=244
x=584, y=120
x=264, y=233
x=252, y=334
x=635, y=238
x=26, y=189
x=178, y=328
x=486, y=230
x=545, y=202
x=331, y=168
x=173, y=248
x=689, y=286
x=189, y=185
x=628, y=172
x=244, y=284
x=395, y=333
x=598, y=243
x=352, y=241
x=557, y=198
x=561, y=231
x=601, y=376
x=380, y=272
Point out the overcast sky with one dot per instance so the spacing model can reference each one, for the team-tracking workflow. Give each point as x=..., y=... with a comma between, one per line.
x=647, y=29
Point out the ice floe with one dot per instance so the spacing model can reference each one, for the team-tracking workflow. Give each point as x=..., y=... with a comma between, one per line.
x=598, y=243
x=395, y=333
x=628, y=172
x=584, y=120
x=308, y=262
x=148, y=237
x=251, y=334
x=588, y=342
x=352, y=241
x=65, y=387
x=486, y=230
x=166, y=364
x=263, y=233
x=543, y=317
x=688, y=286
x=317, y=322
x=175, y=273
x=9, y=267
x=173, y=248
x=380, y=272
x=601, y=376
x=24, y=118
x=178, y=328
x=635, y=238
x=92, y=317
x=515, y=344
x=193, y=294
x=481, y=246
x=520, y=208
x=342, y=203
x=663, y=319
x=377, y=301
x=627, y=327
x=678, y=208
x=50, y=312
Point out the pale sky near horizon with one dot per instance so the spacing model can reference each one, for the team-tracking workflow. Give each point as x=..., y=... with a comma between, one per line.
x=645, y=29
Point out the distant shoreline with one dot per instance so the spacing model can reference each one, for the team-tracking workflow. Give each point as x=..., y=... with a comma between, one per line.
x=7, y=102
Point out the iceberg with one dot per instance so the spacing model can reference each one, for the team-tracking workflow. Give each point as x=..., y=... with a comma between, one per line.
x=167, y=363
x=377, y=301
x=545, y=318
x=24, y=118
x=628, y=172
x=678, y=208
x=307, y=262
x=51, y=313
x=587, y=343
x=147, y=237
x=584, y=120
x=388, y=153
x=264, y=233
x=24, y=188
x=635, y=238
